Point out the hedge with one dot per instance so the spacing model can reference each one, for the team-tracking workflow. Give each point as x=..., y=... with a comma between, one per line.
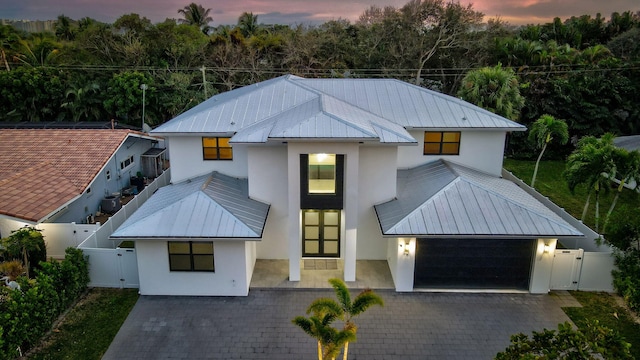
x=27, y=314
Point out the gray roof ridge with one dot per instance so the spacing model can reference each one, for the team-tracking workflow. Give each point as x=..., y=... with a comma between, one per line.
x=222, y=206
x=419, y=207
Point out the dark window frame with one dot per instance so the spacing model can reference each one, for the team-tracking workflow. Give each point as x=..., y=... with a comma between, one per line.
x=191, y=256
x=217, y=148
x=441, y=143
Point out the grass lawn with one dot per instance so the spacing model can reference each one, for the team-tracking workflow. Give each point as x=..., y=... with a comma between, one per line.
x=603, y=307
x=550, y=183
x=89, y=327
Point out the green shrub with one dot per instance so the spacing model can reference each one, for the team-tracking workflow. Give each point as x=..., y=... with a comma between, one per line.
x=27, y=314
x=626, y=280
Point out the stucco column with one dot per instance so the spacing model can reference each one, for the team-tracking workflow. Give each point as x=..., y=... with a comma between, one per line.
x=405, y=263
x=542, y=266
x=295, y=246
x=351, y=214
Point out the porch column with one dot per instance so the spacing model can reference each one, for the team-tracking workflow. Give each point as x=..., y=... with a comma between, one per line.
x=295, y=245
x=352, y=164
x=542, y=265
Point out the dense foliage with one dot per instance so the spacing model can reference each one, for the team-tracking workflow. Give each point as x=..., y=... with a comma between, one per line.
x=28, y=313
x=593, y=342
x=584, y=69
x=624, y=233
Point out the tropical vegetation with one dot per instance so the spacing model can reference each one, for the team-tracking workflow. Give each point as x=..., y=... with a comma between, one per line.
x=583, y=69
x=331, y=340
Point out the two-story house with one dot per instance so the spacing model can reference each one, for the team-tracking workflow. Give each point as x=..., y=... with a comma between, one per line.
x=294, y=168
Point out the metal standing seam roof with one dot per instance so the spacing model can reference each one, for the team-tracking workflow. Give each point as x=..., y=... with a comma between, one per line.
x=385, y=104
x=209, y=206
x=443, y=199
x=629, y=143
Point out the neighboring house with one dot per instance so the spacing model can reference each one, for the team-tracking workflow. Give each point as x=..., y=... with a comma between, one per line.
x=354, y=169
x=64, y=175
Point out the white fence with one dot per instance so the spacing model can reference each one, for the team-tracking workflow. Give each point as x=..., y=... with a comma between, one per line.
x=110, y=266
x=597, y=262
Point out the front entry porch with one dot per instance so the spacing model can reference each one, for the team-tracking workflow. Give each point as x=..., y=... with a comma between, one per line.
x=373, y=274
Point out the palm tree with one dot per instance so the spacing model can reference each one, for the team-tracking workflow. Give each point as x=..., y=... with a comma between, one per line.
x=542, y=132
x=627, y=169
x=347, y=309
x=248, y=24
x=197, y=15
x=64, y=29
x=329, y=339
x=495, y=89
x=591, y=164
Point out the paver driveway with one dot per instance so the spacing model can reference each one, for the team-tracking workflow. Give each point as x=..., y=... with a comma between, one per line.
x=409, y=326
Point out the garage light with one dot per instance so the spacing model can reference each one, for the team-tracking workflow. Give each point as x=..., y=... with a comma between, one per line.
x=546, y=248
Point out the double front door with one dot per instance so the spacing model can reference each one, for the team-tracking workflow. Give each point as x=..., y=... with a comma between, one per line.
x=321, y=233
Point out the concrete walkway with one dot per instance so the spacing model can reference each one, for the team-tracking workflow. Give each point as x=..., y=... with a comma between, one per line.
x=409, y=326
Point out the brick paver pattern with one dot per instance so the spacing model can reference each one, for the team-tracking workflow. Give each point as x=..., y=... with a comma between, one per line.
x=409, y=326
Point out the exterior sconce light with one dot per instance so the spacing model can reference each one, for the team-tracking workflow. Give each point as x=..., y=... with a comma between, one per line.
x=406, y=249
x=546, y=248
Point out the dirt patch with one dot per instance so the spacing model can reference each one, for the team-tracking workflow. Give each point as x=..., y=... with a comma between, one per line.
x=632, y=314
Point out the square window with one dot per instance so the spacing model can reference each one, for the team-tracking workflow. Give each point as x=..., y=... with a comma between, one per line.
x=216, y=148
x=191, y=256
x=441, y=142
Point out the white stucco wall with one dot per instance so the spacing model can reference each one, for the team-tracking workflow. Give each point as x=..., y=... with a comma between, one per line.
x=377, y=184
x=267, y=169
x=186, y=159
x=542, y=266
x=402, y=264
x=482, y=150
x=229, y=278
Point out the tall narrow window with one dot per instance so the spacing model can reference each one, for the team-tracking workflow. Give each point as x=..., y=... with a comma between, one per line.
x=216, y=148
x=322, y=173
x=442, y=142
x=191, y=256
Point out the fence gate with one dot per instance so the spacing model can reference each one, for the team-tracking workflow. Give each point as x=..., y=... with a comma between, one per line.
x=128, y=266
x=565, y=274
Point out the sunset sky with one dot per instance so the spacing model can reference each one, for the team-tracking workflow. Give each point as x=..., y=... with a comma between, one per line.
x=297, y=11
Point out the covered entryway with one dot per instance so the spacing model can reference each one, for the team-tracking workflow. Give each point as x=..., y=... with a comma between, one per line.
x=321, y=233
x=473, y=263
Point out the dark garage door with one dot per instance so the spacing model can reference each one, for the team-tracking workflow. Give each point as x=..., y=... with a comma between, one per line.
x=473, y=264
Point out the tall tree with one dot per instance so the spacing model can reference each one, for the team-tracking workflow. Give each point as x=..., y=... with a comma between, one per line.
x=627, y=170
x=591, y=164
x=197, y=15
x=495, y=89
x=545, y=129
x=248, y=24
x=64, y=28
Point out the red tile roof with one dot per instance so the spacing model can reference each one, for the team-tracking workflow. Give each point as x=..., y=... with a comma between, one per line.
x=42, y=169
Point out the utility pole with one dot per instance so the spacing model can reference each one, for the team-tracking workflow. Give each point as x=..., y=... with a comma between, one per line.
x=204, y=81
x=144, y=88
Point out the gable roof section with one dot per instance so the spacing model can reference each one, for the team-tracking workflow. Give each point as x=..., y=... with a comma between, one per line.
x=324, y=117
x=43, y=169
x=442, y=199
x=210, y=206
x=294, y=107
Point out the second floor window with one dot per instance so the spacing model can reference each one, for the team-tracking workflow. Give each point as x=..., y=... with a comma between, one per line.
x=442, y=142
x=216, y=148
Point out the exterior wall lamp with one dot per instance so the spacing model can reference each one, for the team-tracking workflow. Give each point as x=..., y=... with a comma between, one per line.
x=405, y=246
x=546, y=248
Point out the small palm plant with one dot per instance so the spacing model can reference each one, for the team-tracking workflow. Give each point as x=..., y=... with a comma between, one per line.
x=325, y=311
x=542, y=132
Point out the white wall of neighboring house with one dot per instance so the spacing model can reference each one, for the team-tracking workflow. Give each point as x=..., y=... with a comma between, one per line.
x=187, y=162
x=229, y=279
x=481, y=150
x=268, y=183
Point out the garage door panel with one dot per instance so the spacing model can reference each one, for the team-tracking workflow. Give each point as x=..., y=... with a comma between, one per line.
x=473, y=263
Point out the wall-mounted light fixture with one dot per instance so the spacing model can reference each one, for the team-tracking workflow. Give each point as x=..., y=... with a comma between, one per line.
x=546, y=248
x=406, y=248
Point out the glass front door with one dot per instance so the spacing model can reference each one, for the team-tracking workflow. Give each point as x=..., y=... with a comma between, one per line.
x=321, y=233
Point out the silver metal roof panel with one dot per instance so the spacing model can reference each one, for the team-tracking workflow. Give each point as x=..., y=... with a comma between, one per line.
x=357, y=101
x=210, y=206
x=444, y=199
